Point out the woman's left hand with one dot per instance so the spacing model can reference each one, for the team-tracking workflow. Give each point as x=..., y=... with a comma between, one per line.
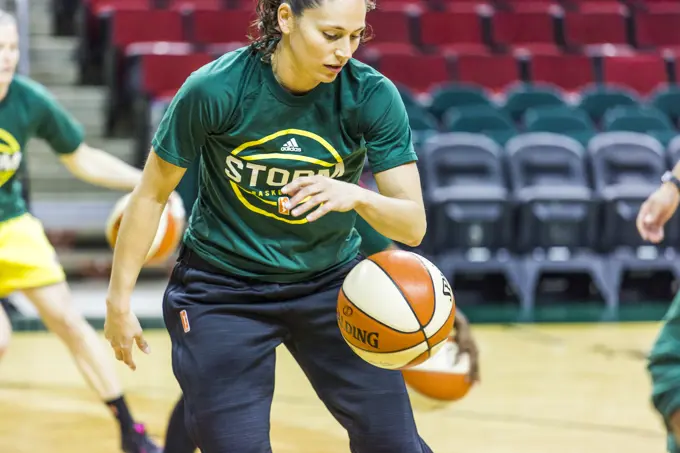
x=467, y=345
x=327, y=193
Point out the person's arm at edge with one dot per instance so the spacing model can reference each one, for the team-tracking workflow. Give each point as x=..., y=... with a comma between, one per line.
x=100, y=168
x=138, y=228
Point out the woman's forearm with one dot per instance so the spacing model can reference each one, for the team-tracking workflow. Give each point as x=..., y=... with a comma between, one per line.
x=100, y=168
x=135, y=236
x=398, y=219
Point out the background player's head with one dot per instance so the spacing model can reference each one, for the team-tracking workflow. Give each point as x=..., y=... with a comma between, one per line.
x=9, y=47
x=317, y=37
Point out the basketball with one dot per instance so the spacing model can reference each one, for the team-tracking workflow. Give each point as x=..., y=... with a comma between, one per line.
x=168, y=235
x=440, y=377
x=395, y=309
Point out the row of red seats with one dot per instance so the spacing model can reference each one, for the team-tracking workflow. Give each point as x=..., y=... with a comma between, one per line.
x=200, y=26
x=161, y=74
x=459, y=32
x=641, y=73
x=108, y=37
x=540, y=27
x=653, y=5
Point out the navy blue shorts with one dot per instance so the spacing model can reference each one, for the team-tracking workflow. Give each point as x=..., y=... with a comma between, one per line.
x=224, y=332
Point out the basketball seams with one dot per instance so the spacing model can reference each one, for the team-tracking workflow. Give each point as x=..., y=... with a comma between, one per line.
x=408, y=302
x=401, y=291
x=419, y=267
x=381, y=299
x=377, y=321
x=419, y=359
x=396, y=360
x=393, y=351
x=434, y=290
x=446, y=328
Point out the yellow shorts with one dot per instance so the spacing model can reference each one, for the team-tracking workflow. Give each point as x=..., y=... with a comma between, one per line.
x=27, y=259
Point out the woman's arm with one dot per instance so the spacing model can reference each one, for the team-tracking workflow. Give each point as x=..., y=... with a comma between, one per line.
x=397, y=211
x=100, y=168
x=138, y=228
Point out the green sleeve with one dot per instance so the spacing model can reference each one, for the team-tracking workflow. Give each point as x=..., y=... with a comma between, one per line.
x=371, y=241
x=55, y=125
x=197, y=111
x=389, y=140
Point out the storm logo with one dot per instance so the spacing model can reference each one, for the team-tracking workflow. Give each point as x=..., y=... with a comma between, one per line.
x=10, y=156
x=256, y=176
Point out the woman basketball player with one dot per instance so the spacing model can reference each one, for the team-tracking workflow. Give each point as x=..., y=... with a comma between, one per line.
x=27, y=260
x=177, y=438
x=283, y=127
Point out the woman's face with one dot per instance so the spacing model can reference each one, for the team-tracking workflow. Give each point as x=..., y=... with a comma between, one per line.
x=323, y=38
x=9, y=51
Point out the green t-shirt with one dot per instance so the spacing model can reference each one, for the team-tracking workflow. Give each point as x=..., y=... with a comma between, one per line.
x=255, y=137
x=29, y=111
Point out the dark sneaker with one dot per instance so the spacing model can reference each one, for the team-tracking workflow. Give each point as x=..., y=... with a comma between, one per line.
x=137, y=441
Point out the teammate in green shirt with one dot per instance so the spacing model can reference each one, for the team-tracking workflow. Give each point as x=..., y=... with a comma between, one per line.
x=664, y=358
x=283, y=127
x=28, y=263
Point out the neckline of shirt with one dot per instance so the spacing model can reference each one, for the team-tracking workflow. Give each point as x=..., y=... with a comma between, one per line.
x=286, y=96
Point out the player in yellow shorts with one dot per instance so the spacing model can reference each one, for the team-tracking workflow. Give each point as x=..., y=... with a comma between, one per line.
x=28, y=263
x=27, y=258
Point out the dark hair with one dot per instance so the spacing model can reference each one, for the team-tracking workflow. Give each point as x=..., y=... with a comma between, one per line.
x=267, y=23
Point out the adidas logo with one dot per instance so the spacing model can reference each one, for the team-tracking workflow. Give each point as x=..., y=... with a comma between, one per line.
x=291, y=145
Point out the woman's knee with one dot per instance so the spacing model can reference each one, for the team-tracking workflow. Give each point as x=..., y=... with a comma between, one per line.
x=57, y=311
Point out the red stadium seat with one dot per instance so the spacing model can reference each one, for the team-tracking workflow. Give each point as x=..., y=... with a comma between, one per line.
x=659, y=30
x=530, y=26
x=398, y=5
x=390, y=30
x=597, y=23
x=493, y=72
x=569, y=72
x=226, y=26
x=418, y=72
x=97, y=6
x=578, y=4
x=160, y=74
x=642, y=73
x=452, y=31
x=129, y=26
x=184, y=5
x=91, y=30
x=658, y=6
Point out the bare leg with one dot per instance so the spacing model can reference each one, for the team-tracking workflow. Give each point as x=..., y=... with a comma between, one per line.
x=54, y=305
x=60, y=316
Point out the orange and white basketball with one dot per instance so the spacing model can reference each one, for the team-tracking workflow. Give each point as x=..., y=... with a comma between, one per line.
x=441, y=377
x=395, y=309
x=168, y=235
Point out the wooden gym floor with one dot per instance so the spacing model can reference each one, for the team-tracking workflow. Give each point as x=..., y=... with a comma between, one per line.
x=557, y=389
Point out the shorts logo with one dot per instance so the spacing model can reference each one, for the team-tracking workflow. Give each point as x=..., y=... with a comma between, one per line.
x=185, y=321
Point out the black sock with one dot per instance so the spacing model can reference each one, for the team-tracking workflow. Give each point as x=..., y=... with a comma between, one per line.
x=122, y=413
x=177, y=438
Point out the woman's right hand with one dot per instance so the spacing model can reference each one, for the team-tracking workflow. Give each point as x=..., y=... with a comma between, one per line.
x=656, y=211
x=135, y=236
x=121, y=329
